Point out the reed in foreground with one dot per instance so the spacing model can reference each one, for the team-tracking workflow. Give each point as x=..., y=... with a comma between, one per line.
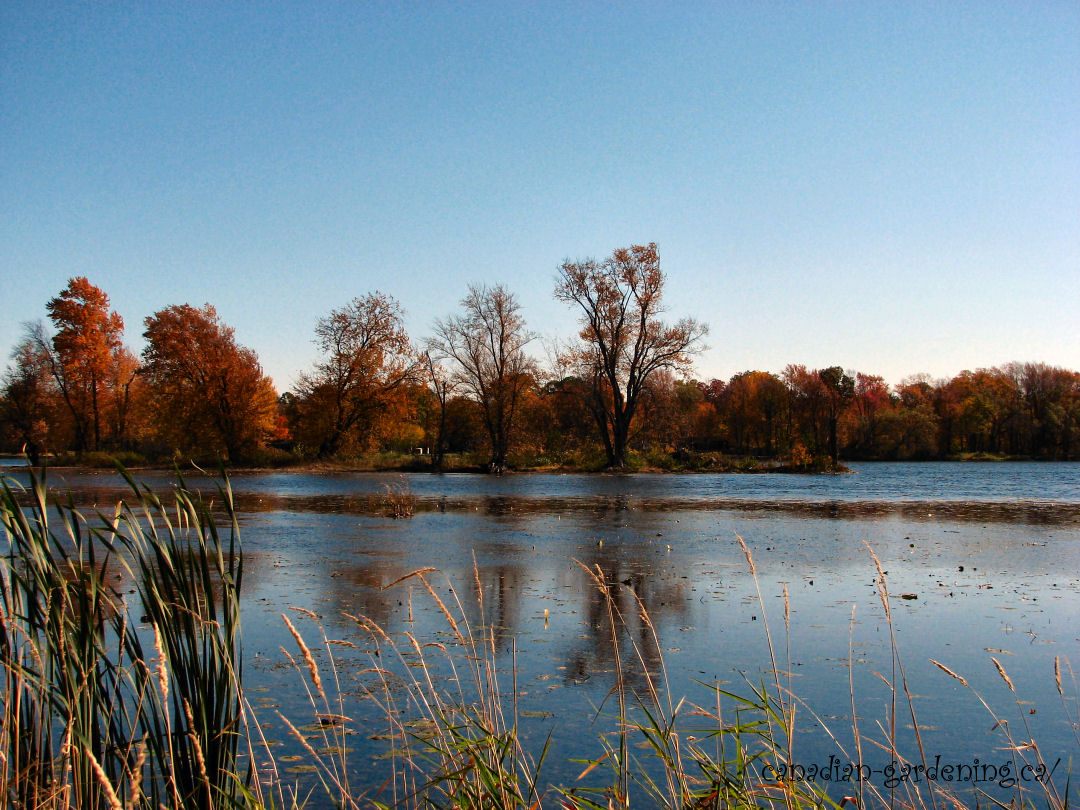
x=100, y=711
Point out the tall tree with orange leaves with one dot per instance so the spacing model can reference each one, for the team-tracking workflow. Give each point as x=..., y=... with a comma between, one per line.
x=211, y=394
x=362, y=378
x=86, y=358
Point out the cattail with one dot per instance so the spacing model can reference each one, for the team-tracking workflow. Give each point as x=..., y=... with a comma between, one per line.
x=1057, y=674
x=1004, y=675
x=309, y=659
x=948, y=671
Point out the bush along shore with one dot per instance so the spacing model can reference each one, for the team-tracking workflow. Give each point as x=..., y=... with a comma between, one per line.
x=109, y=704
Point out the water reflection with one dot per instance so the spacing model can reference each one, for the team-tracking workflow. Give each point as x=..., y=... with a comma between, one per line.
x=622, y=610
x=1031, y=511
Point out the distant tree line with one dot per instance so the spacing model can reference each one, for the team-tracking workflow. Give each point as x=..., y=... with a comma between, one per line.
x=620, y=394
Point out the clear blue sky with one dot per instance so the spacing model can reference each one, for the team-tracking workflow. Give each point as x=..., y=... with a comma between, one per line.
x=891, y=187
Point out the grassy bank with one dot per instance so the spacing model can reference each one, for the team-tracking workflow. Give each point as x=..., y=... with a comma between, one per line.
x=114, y=700
x=578, y=462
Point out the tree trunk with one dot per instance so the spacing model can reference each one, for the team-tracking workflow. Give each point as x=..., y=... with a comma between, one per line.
x=620, y=432
x=834, y=453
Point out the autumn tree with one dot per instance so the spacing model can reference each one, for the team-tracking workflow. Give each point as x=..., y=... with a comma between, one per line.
x=988, y=406
x=570, y=423
x=911, y=429
x=485, y=344
x=670, y=412
x=871, y=399
x=87, y=357
x=1047, y=400
x=839, y=391
x=623, y=342
x=366, y=364
x=441, y=383
x=807, y=419
x=28, y=396
x=211, y=393
x=753, y=404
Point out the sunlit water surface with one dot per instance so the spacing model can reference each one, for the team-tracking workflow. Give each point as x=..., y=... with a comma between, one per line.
x=982, y=560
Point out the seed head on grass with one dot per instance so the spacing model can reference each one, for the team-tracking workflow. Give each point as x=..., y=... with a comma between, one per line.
x=449, y=617
x=1004, y=675
x=309, y=659
x=948, y=671
x=135, y=790
x=162, y=672
x=103, y=780
x=749, y=557
x=196, y=745
x=882, y=583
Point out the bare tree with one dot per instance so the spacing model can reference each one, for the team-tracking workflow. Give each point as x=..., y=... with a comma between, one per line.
x=623, y=343
x=487, y=346
x=442, y=384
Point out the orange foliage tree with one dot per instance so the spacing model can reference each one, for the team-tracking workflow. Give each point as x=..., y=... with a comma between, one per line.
x=210, y=392
x=623, y=342
x=753, y=404
x=89, y=362
x=871, y=400
x=362, y=379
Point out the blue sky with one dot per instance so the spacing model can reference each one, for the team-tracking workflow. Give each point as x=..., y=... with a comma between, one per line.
x=891, y=187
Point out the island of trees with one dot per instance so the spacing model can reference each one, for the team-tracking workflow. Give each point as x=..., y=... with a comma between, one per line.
x=473, y=395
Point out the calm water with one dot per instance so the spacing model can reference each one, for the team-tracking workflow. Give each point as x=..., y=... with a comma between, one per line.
x=991, y=551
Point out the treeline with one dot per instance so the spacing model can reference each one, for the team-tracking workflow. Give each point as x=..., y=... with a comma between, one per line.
x=618, y=396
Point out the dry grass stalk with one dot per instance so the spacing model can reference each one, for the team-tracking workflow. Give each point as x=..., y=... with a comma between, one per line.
x=397, y=500
x=162, y=671
x=103, y=780
x=948, y=671
x=136, y=776
x=309, y=659
x=1004, y=675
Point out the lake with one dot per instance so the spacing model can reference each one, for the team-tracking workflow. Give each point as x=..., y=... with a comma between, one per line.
x=982, y=561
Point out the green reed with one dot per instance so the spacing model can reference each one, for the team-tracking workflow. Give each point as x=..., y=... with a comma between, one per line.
x=100, y=712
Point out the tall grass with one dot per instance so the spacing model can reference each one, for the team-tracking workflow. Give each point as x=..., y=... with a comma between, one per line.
x=98, y=711
x=397, y=500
